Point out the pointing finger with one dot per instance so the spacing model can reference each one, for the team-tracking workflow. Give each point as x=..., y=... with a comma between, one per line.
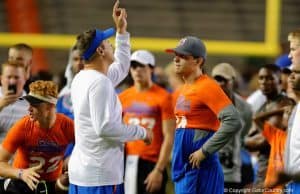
x=116, y=5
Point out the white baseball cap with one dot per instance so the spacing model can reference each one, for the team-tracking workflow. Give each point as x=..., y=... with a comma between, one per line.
x=144, y=57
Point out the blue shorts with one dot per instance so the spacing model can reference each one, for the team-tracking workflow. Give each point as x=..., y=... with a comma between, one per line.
x=208, y=178
x=201, y=181
x=293, y=188
x=109, y=189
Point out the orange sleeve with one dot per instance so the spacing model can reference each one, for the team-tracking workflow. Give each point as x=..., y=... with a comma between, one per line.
x=15, y=136
x=214, y=97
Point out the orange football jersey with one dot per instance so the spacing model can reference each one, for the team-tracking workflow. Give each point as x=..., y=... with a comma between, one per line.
x=34, y=145
x=198, y=104
x=148, y=109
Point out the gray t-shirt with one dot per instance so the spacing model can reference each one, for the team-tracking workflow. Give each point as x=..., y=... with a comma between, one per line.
x=10, y=114
x=229, y=155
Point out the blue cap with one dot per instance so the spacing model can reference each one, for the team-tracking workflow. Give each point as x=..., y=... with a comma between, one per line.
x=283, y=61
x=98, y=38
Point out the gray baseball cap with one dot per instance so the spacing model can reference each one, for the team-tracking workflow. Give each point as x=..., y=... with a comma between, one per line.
x=190, y=45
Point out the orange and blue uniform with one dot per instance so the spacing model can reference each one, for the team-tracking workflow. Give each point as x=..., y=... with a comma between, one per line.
x=34, y=145
x=197, y=109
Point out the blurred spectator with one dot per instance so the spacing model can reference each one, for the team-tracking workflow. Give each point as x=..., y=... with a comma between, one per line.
x=230, y=154
x=75, y=64
x=269, y=83
x=23, y=54
x=276, y=137
x=257, y=99
x=13, y=78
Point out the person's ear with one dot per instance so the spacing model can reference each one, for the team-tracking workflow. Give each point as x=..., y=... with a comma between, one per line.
x=100, y=51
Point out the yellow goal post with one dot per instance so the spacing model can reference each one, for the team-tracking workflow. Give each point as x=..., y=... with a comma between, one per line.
x=269, y=47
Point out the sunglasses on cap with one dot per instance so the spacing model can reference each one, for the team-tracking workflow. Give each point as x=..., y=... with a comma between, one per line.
x=220, y=79
x=135, y=65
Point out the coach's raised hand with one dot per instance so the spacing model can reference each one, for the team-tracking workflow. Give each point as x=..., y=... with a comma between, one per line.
x=120, y=16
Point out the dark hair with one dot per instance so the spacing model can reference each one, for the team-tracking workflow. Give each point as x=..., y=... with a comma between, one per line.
x=286, y=71
x=272, y=67
x=84, y=41
x=22, y=46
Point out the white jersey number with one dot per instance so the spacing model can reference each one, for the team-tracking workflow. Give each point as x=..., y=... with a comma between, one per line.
x=36, y=160
x=149, y=123
x=181, y=121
